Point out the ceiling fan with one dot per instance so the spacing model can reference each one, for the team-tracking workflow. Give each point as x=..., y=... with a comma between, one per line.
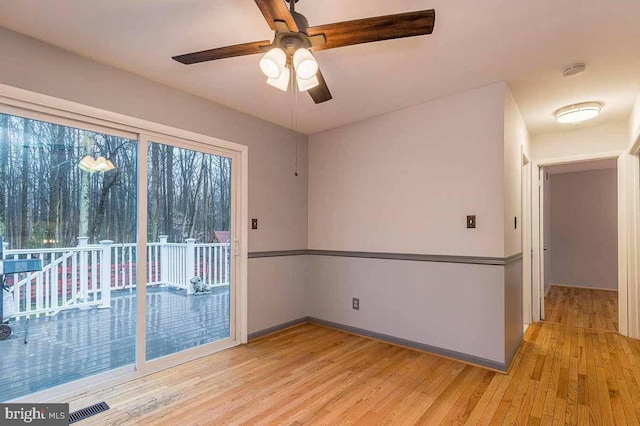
x=291, y=47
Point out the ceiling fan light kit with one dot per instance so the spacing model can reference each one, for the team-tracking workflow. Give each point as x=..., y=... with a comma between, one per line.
x=304, y=85
x=290, y=50
x=305, y=64
x=273, y=63
x=276, y=65
x=282, y=82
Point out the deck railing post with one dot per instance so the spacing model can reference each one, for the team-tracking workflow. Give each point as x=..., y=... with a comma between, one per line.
x=84, y=269
x=190, y=264
x=105, y=274
x=164, y=259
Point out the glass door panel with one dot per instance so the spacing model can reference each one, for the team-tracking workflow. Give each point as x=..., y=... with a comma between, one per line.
x=189, y=249
x=67, y=199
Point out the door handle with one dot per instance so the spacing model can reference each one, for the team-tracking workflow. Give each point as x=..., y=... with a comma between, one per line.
x=236, y=247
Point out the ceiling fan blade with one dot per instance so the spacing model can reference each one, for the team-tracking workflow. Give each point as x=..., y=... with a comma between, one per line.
x=277, y=10
x=223, y=52
x=375, y=29
x=321, y=92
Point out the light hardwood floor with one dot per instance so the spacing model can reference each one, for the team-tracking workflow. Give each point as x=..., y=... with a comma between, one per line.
x=581, y=307
x=315, y=375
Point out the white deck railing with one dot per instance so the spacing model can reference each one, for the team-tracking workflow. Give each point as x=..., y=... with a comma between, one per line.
x=85, y=275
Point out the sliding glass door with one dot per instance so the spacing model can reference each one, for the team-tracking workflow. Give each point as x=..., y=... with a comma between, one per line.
x=103, y=297
x=67, y=199
x=189, y=249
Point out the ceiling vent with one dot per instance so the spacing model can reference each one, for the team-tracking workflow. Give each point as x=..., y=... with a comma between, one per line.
x=574, y=69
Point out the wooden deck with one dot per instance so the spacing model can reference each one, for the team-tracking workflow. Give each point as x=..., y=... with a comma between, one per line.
x=78, y=343
x=316, y=375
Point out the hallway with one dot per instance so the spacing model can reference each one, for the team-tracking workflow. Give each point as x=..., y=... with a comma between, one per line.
x=582, y=307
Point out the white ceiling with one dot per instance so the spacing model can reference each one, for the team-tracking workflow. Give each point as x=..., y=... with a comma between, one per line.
x=526, y=43
x=582, y=166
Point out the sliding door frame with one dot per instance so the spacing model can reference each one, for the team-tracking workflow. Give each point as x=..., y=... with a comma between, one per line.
x=36, y=106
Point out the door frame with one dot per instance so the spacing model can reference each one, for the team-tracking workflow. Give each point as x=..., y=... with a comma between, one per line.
x=626, y=222
x=37, y=106
x=527, y=251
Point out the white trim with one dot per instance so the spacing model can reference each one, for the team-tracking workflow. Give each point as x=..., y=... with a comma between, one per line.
x=535, y=244
x=59, y=111
x=610, y=155
x=25, y=99
x=64, y=120
x=141, y=252
x=526, y=243
x=623, y=224
x=242, y=227
x=633, y=235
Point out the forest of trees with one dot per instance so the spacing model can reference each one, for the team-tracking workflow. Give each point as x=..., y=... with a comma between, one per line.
x=46, y=200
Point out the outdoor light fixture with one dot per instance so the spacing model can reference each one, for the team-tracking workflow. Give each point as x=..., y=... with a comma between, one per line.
x=578, y=113
x=277, y=67
x=91, y=165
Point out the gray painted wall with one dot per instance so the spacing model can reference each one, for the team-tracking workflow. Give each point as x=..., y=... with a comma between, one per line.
x=278, y=293
x=276, y=197
x=584, y=221
x=451, y=306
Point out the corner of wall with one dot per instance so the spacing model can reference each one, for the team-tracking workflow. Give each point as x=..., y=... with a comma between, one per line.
x=516, y=144
x=634, y=124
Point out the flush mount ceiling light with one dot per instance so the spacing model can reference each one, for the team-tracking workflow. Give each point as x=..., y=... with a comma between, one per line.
x=578, y=113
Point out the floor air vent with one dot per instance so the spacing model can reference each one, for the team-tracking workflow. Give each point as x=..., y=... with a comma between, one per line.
x=76, y=416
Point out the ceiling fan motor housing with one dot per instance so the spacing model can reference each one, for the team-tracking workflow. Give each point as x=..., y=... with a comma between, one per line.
x=301, y=21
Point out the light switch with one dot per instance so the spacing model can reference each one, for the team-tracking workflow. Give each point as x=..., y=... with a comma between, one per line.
x=254, y=223
x=471, y=221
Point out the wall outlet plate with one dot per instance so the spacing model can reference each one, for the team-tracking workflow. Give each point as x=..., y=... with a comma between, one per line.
x=356, y=303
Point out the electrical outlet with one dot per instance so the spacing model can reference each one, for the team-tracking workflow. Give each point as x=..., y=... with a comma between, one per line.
x=254, y=223
x=471, y=221
x=356, y=303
